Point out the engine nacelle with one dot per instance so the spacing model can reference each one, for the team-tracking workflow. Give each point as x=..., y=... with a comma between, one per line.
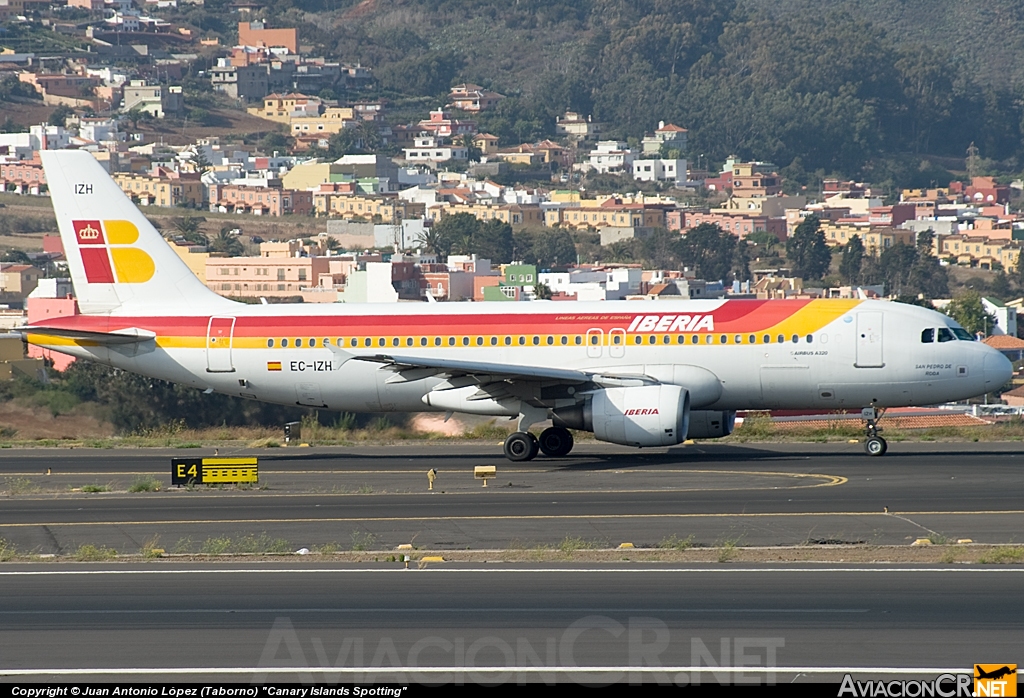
x=711, y=424
x=648, y=415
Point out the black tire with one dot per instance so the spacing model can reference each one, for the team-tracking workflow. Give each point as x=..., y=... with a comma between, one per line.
x=875, y=446
x=521, y=446
x=556, y=442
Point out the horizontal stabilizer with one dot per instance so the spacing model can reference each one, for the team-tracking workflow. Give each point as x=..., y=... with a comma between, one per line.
x=129, y=335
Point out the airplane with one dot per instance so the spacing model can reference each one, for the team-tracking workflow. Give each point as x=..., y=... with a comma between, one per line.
x=638, y=373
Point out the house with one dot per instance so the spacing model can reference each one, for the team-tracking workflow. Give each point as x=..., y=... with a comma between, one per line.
x=163, y=187
x=155, y=100
x=473, y=98
x=257, y=34
x=668, y=136
x=673, y=171
x=575, y=126
x=611, y=157
x=432, y=151
x=244, y=82
x=442, y=125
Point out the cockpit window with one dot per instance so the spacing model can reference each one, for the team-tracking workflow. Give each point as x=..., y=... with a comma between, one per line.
x=945, y=335
x=963, y=334
x=928, y=336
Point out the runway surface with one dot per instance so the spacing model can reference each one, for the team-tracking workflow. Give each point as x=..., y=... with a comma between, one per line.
x=335, y=621
x=750, y=495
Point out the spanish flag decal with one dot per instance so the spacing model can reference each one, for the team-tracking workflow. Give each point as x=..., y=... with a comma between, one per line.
x=273, y=365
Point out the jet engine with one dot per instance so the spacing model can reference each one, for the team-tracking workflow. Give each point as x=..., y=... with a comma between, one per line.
x=711, y=424
x=647, y=415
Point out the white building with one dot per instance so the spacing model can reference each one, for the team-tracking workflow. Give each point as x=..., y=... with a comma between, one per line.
x=594, y=284
x=430, y=151
x=611, y=157
x=673, y=171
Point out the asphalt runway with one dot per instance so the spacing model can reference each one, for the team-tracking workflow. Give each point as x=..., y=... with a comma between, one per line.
x=259, y=623
x=745, y=494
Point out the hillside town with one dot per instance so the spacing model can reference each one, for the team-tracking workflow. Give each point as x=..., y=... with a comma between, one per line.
x=384, y=193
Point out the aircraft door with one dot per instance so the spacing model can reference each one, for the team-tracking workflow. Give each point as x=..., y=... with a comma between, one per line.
x=869, y=340
x=595, y=343
x=617, y=343
x=219, y=334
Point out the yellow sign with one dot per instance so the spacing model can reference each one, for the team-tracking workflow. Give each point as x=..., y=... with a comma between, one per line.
x=995, y=680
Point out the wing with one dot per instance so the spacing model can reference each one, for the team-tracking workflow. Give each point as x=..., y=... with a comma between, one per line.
x=409, y=368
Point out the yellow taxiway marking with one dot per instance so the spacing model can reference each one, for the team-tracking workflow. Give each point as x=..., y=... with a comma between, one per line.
x=533, y=517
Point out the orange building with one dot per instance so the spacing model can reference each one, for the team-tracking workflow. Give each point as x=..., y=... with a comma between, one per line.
x=256, y=34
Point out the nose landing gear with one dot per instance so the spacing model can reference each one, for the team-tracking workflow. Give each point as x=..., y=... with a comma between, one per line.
x=875, y=445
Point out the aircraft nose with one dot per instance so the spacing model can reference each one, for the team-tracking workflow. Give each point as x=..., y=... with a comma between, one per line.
x=998, y=370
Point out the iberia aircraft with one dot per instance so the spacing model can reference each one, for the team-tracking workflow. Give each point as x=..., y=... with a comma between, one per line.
x=634, y=373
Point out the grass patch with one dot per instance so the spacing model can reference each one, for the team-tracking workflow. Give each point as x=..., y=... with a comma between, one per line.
x=14, y=486
x=728, y=551
x=261, y=544
x=363, y=541
x=183, y=546
x=1003, y=555
x=327, y=548
x=215, y=546
x=92, y=553
x=939, y=539
x=571, y=544
x=151, y=548
x=265, y=443
x=95, y=488
x=674, y=542
x=145, y=484
x=7, y=550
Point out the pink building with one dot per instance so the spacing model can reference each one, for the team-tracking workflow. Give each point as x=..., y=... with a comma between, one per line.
x=260, y=201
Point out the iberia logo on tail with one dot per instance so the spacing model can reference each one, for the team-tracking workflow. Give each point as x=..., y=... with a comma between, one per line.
x=107, y=254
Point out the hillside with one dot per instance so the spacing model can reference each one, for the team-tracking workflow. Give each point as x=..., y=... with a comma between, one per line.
x=868, y=88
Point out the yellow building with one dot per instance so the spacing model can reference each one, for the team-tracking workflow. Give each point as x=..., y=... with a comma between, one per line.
x=610, y=213
x=330, y=122
x=194, y=256
x=309, y=175
x=513, y=214
x=347, y=206
x=279, y=107
x=157, y=190
x=982, y=252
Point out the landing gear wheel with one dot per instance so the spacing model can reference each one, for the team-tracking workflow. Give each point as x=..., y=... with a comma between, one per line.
x=556, y=442
x=876, y=446
x=520, y=446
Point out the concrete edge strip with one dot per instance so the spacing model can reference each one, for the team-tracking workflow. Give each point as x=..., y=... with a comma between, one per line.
x=889, y=671
x=565, y=570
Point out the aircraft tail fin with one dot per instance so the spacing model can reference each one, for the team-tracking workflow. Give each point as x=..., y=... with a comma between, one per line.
x=118, y=261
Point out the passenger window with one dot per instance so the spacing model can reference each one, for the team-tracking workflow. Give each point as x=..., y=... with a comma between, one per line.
x=381, y=342
x=782, y=339
x=550, y=340
x=565, y=340
x=270, y=343
x=522, y=341
x=810, y=338
x=298, y=342
x=408, y=341
x=738, y=339
x=368, y=342
x=494, y=341
x=945, y=335
x=667, y=340
x=284, y=342
x=312, y=342
x=536, y=341
x=796, y=338
x=355, y=342
x=767, y=339
x=508, y=341
x=579, y=339
x=694, y=339
x=752, y=339
x=465, y=341
x=423, y=341
x=928, y=336
x=723, y=339
x=394, y=342
x=437, y=341
x=680, y=339
x=451, y=341
x=479, y=341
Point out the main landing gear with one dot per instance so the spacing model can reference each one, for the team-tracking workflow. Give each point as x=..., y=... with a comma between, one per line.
x=523, y=446
x=875, y=445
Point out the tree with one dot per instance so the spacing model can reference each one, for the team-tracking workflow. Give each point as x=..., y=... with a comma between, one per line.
x=708, y=250
x=59, y=116
x=969, y=311
x=546, y=248
x=492, y=240
x=542, y=291
x=457, y=231
x=226, y=244
x=852, y=260
x=472, y=151
x=135, y=115
x=807, y=251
